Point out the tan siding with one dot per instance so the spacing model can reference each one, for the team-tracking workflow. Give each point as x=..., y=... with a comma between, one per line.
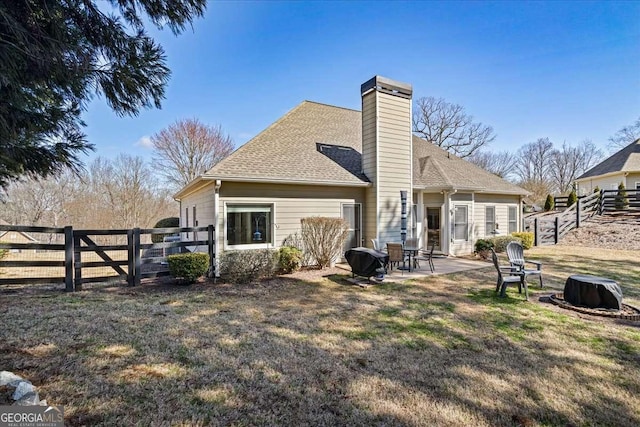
x=501, y=204
x=369, y=165
x=394, y=139
x=203, y=200
x=433, y=198
x=604, y=183
x=292, y=203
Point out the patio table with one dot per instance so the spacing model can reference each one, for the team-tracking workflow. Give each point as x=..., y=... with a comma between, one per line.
x=411, y=251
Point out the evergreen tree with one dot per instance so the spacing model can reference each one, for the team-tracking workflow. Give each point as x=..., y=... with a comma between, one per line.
x=55, y=55
x=621, y=200
x=549, y=204
x=572, y=199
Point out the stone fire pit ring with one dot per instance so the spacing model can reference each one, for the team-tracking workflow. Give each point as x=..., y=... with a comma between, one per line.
x=627, y=312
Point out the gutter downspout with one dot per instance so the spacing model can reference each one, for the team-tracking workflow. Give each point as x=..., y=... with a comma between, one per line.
x=216, y=221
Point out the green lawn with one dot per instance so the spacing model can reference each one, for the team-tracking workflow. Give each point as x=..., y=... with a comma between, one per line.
x=441, y=351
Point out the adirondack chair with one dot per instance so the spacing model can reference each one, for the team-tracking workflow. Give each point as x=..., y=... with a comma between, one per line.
x=508, y=274
x=515, y=252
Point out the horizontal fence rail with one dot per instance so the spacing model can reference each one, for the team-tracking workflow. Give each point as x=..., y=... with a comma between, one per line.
x=76, y=257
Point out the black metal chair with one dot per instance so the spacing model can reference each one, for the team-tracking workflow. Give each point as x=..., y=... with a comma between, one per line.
x=508, y=274
x=426, y=256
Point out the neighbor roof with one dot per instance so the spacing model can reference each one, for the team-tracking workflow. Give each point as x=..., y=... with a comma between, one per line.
x=319, y=143
x=625, y=160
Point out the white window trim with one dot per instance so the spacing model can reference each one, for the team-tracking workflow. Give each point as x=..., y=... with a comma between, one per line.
x=454, y=222
x=269, y=245
x=516, y=220
x=495, y=220
x=637, y=185
x=361, y=242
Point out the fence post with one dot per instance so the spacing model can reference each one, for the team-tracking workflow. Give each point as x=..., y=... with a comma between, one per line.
x=131, y=266
x=601, y=203
x=536, y=232
x=136, y=257
x=578, y=214
x=68, y=259
x=556, y=230
x=212, y=255
x=77, y=262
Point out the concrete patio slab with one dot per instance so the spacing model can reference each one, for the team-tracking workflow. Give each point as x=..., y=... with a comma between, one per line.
x=443, y=265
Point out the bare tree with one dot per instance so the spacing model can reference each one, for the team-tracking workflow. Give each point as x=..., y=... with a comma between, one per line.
x=448, y=126
x=500, y=163
x=533, y=166
x=569, y=162
x=188, y=148
x=625, y=136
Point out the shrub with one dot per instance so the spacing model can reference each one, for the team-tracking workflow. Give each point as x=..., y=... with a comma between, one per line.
x=500, y=242
x=622, y=200
x=324, y=238
x=596, y=190
x=247, y=265
x=549, y=204
x=482, y=248
x=294, y=240
x=526, y=239
x=572, y=199
x=3, y=252
x=188, y=267
x=164, y=223
x=289, y=259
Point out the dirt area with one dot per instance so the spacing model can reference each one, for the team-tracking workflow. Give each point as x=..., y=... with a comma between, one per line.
x=607, y=232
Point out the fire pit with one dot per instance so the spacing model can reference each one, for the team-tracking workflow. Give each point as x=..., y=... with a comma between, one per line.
x=594, y=295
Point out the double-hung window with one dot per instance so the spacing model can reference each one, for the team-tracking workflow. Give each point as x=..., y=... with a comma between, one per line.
x=249, y=224
x=489, y=220
x=513, y=219
x=460, y=223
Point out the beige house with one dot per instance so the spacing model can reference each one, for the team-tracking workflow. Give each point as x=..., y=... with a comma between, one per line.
x=322, y=160
x=623, y=166
x=16, y=237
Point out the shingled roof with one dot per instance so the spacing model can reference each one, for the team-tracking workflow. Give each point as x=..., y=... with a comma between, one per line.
x=625, y=160
x=319, y=143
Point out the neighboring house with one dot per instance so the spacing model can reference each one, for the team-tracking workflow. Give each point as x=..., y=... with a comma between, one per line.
x=16, y=237
x=623, y=166
x=321, y=160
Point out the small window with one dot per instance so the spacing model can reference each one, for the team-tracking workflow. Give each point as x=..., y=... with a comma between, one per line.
x=489, y=220
x=513, y=219
x=460, y=223
x=249, y=224
x=186, y=220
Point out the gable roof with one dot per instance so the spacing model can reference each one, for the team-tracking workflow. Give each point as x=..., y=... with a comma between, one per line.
x=625, y=160
x=3, y=232
x=322, y=144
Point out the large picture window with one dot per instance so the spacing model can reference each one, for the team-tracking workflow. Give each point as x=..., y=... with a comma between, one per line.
x=513, y=219
x=249, y=224
x=460, y=223
x=489, y=220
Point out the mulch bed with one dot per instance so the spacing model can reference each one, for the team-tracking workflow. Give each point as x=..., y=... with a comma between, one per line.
x=627, y=311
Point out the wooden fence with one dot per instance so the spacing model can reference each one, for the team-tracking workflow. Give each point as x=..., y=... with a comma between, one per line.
x=612, y=201
x=550, y=231
x=126, y=255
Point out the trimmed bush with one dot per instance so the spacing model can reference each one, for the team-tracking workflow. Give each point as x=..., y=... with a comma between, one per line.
x=572, y=199
x=289, y=259
x=189, y=267
x=526, y=239
x=500, y=242
x=549, y=204
x=621, y=200
x=324, y=238
x=483, y=247
x=248, y=265
x=170, y=222
x=294, y=240
x=596, y=190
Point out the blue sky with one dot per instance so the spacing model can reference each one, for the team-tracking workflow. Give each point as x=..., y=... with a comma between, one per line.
x=567, y=71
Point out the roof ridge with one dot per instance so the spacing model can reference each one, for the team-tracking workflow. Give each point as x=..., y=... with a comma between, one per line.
x=330, y=105
x=242, y=147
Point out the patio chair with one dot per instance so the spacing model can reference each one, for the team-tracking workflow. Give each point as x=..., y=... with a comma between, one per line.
x=396, y=254
x=426, y=256
x=515, y=252
x=377, y=246
x=506, y=275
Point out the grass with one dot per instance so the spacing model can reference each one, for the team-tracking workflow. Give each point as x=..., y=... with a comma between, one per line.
x=443, y=350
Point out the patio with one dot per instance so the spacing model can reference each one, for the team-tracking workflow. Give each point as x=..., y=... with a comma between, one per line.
x=442, y=264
